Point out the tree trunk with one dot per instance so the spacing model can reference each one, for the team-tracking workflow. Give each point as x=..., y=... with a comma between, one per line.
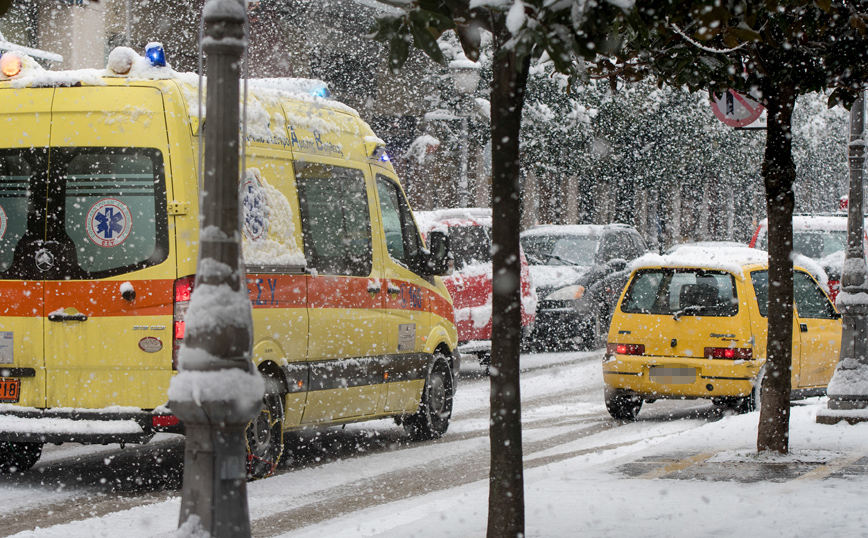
x=779, y=173
x=506, y=487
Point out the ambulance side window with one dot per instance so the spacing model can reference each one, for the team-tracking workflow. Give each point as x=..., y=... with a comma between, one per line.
x=402, y=237
x=336, y=221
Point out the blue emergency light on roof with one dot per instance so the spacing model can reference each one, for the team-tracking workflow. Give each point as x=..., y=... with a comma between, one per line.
x=156, y=55
x=321, y=91
x=384, y=157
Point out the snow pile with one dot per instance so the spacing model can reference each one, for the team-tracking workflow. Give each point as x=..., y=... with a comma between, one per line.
x=850, y=379
x=223, y=9
x=192, y=528
x=213, y=309
x=229, y=385
x=479, y=315
x=555, y=276
x=265, y=121
x=418, y=149
x=566, y=229
x=276, y=245
x=68, y=426
x=216, y=308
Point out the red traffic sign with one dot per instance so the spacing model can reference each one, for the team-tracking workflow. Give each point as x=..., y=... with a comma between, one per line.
x=735, y=109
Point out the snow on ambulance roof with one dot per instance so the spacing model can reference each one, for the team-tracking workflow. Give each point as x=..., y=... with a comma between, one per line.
x=126, y=64
x=728, y=258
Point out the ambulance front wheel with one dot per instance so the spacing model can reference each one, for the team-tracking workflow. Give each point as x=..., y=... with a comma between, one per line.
x=435, y=410
x=17, y=457
x=265, y=433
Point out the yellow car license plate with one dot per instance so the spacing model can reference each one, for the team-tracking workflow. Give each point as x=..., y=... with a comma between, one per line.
x=9, y=390
x=672, y=375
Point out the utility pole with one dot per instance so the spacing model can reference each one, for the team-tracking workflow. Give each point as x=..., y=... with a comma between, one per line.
x=217, y=392
x=847, y=391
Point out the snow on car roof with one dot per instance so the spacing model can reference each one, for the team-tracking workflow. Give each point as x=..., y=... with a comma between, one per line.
x=815, y=222
x=570, y=229
x=428, y=220
x=724, y=258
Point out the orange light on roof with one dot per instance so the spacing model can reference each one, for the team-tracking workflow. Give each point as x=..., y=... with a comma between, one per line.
x=10, y=64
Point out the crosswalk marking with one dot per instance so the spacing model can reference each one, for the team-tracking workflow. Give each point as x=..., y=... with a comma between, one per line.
x=676, y=466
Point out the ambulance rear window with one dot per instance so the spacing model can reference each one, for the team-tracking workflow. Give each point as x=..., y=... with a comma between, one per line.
x=81, y=213
x=15, y=172
x=111, y=206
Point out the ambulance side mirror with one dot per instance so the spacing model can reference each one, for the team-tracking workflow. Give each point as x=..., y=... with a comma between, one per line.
x=438, y=260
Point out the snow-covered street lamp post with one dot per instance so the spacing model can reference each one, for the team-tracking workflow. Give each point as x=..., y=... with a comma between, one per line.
x=848, y=389
x=217, y=391
x=465, y=78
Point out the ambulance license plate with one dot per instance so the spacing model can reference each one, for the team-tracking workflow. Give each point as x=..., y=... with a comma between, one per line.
x=10, y=390
x=672, y=375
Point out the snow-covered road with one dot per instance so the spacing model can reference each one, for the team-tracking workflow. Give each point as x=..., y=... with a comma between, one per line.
x=94, y=491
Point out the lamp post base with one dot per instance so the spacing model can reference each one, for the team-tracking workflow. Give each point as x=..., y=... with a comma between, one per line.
x=215, y=465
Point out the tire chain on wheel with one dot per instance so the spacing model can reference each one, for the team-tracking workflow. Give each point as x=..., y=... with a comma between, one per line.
x=257, y=466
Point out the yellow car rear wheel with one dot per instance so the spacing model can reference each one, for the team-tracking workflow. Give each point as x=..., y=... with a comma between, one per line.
x=621, y=404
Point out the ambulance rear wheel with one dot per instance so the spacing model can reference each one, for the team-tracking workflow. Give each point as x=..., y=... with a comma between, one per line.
x=621, y=404
x=435, y=410
x=265, y=433
x=17, y=457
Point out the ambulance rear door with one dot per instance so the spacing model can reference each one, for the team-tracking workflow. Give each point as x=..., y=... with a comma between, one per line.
x=110, y=263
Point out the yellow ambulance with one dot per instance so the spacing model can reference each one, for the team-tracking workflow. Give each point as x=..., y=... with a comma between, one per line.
x=99, y=205
x=694, y=324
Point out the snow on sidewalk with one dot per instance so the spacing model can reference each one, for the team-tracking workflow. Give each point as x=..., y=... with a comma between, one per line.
x=704, y=481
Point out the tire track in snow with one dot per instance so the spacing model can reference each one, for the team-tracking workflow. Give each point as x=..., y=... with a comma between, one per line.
x=439, y=475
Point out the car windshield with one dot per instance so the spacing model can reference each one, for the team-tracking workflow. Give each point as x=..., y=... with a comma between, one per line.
x=813, y=243
x=471, y=245
x=560, y=249
x=681, y=292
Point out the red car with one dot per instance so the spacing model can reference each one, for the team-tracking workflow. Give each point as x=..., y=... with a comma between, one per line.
x=471, y=283
x=822, y=238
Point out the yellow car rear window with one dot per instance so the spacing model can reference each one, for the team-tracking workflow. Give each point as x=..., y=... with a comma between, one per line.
x=681, y=292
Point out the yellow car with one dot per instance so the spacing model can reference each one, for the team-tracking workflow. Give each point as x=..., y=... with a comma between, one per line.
x=693, y=324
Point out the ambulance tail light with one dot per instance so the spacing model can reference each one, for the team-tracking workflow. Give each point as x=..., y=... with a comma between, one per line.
x=625, y=349
x=183, y=291
x=731, y=353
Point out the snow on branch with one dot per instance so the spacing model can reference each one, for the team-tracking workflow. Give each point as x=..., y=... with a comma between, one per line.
x=703, y=47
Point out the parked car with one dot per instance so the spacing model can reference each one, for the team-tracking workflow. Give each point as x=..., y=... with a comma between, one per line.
x=470, y=284
x=694, y=324
x=579, y=272
x=823, y=238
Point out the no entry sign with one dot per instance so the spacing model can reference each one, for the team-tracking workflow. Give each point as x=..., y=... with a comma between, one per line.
x=735, y=109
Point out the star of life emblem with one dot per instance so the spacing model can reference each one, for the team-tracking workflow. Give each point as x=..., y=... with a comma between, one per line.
x=109, y=222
